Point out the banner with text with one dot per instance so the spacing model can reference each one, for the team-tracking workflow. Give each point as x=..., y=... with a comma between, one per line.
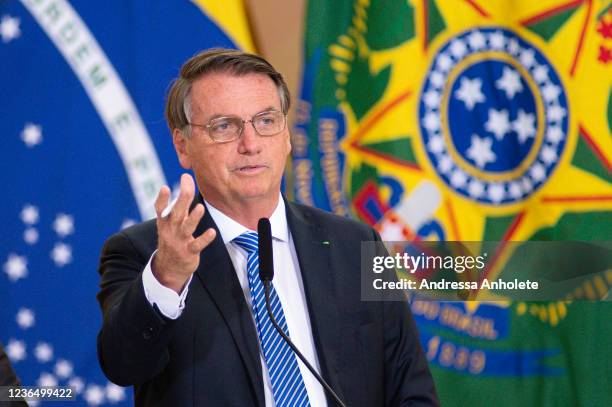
x=482, y=121
x=85, y=151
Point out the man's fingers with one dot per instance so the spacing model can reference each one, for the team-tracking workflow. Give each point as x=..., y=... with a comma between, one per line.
x=202, y=241
x=191, y=222
x=186, y=194
x=161, y=202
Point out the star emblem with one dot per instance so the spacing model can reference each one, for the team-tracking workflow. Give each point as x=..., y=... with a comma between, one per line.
x=480, y=151
x=444, y=63
x=514, y=47
x=510, y=82
x=476, y=40
x=527, y=185
x=94, y=395
x=554, y=134
x=63, y=225
x=31, y=135
x=498, y=123
x=114, y=393
x=549, y=155
x=43, y=352
x=436, y=144
x=497, y=40
x=47, y=379
x=475, y=188
x=496, y=192
x=537, y=172
x=527, y=58
x=431, y=122
x=524, y=125
x=515, y=190
x=438, y=79
x=555, y=113
x=30, y=236
x=61, y=254
x=77, y=384
x=550, y=92
x=458, y=48
x=16, y=350
x=470, y=92
x=445, y=164
x=29, y=214
x=432, y=99
x=63, y=369
x=25, y=318
x=458, y=178
x=9, y=28
x=540, y=74
x=16, y=267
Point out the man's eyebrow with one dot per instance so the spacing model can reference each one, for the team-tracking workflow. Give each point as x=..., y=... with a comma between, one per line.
x=218, y=115
x=270, y=108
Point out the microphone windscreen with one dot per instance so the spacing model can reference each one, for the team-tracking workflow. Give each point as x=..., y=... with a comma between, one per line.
x=266, y=260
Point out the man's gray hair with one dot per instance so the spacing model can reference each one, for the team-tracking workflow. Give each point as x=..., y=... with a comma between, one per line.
x=178, y=102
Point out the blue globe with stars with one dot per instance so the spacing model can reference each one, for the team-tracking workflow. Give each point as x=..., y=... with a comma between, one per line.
x=503, y=141
x=493, y=116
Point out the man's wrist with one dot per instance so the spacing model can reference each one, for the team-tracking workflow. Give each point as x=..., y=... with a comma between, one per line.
x=174, y=281
x=169, y=302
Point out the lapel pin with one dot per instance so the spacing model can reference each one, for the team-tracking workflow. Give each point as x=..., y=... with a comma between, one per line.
x=325, y=242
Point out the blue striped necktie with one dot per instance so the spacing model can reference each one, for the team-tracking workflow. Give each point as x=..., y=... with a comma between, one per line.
x=287, y=382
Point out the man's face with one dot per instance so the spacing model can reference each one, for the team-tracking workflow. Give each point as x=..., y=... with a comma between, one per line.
x=249, y=168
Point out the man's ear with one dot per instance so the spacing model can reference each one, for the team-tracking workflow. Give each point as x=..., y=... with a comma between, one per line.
x=182, y=151
x=288, y=143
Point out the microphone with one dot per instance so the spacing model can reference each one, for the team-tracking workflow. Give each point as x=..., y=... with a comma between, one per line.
x=266, y=259
x=266, y=274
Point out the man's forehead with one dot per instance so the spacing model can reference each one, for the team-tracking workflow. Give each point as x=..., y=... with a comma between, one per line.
x=223, y=78
x=213, y=92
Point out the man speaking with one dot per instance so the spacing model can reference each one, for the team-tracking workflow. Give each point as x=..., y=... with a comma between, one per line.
x=184, y=309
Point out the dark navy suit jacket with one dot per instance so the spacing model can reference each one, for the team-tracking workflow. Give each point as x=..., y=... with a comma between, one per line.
x=369, y=352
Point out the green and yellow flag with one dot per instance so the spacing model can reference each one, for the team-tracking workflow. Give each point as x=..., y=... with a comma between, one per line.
x=472, y=120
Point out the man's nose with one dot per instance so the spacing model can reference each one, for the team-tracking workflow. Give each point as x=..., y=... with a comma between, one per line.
x=250, y=141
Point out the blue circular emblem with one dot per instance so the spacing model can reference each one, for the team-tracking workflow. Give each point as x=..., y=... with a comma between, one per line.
x=493, y=116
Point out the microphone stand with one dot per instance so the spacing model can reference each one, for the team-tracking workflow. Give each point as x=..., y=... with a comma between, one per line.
x=339, y=402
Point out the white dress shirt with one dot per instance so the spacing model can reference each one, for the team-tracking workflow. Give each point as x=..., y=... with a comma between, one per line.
x=287, y=283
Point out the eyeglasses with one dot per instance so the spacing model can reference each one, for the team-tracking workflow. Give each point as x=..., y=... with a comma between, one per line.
x=229, y=128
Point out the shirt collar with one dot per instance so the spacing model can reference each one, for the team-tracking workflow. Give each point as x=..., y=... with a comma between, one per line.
x=230, y=229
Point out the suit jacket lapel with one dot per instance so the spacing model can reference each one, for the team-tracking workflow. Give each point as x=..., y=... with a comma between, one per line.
x=217, y=275
x=314, y=260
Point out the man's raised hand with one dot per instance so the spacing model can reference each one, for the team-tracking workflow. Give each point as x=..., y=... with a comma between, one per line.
x=178, y=251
